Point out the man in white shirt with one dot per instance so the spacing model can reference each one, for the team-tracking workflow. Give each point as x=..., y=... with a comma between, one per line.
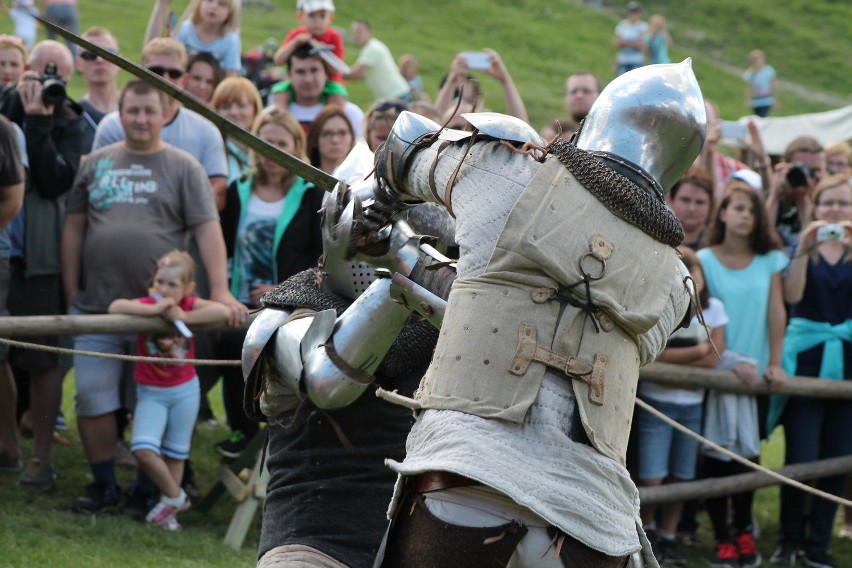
x=629, y=39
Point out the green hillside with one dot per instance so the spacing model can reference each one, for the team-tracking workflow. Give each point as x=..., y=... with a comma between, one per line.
x=543, y=41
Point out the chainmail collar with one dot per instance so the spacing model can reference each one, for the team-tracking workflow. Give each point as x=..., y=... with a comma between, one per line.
x=639, y=203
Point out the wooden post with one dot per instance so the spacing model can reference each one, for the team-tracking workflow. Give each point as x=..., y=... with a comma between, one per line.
x=686, y=376
x=18, y=326
x=673, y=492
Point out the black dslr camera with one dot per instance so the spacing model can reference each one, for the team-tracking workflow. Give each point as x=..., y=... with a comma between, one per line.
x=799, y=174
x=53, y=92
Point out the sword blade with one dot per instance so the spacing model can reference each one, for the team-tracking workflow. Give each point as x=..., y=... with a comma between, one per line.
x=225, y=125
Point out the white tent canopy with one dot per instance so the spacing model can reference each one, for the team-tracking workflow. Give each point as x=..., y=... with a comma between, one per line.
x=778, y=132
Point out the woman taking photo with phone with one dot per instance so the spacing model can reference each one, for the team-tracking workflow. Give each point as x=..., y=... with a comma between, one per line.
x=817, y=344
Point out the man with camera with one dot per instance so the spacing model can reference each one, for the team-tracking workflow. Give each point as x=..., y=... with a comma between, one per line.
x=52, y=127
x=788, y=202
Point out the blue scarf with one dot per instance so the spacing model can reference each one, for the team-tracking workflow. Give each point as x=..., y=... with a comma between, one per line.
x=803, y=334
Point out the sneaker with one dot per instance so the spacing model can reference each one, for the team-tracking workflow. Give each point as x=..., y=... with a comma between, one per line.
x=25, y=425
x=98, y=498
x=172, y=524
x=38, y=475
x=188, y=484
x=233, y=446
x=747, y=550
x=164, y=514
x=818, y=559
x=10, y=462
x=123, y=456
x=208, y=423
x=725, y=556
x=669, y=553
x=192, y=491
x=785, y=555
x=652, y=537
x=61, y=425
x=58, y=438
x=690, y=540
x=137, y=505
x=845, y=532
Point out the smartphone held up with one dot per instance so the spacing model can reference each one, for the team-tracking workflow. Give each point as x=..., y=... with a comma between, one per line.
x=477, y=60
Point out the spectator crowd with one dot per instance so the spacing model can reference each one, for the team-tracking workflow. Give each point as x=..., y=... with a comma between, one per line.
x=99, y=195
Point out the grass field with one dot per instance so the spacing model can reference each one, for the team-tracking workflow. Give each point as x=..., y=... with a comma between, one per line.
x=541, y=42
x=41, y=530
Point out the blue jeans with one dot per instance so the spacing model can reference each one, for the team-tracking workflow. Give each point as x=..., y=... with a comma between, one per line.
x=664, y=451
x=164, y=418
x=623, y=68
x=814, y=429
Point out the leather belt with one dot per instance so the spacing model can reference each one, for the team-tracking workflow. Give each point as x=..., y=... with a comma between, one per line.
x=438, y=480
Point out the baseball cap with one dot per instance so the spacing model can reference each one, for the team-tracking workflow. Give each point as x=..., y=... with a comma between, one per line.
x=751, y=177
x=311, y=6
x=634, y=7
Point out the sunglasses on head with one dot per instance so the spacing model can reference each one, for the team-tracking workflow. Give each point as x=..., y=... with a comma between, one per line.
x=91, y=55
x=163, y=71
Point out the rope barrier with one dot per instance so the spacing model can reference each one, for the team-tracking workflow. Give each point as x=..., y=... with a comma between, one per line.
x=750, y=464
x=640, y=403
x=118, y=356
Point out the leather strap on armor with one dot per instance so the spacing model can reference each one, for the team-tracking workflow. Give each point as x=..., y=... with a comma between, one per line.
x=528, y=351
x=355, y=374
x=435, y=275
x=448, y=191
x=440, y=480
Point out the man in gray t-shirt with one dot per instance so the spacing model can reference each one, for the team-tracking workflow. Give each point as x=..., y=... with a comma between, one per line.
x=183, y=128
x=137, y=207
x=131, y=203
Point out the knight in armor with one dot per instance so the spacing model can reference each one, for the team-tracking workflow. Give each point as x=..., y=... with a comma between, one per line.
x=568, y=282
x=326, y=338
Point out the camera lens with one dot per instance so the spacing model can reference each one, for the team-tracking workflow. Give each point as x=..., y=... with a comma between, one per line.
x=797, y=175
x=53, y=92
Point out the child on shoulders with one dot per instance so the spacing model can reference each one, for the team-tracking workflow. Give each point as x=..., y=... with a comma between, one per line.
x=316, y=17
x=211, y=26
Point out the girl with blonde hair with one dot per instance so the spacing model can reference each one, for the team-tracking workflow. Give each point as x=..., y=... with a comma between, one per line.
x=206, y=25
x=238, y=99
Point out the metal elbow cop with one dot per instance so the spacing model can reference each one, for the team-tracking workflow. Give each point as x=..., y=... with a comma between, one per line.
x=330, y=360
